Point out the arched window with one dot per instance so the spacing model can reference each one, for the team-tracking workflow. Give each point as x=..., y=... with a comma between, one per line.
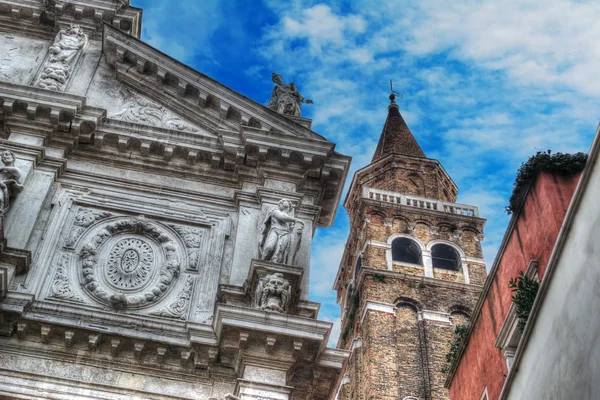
x=406, y=250
x=445, y=256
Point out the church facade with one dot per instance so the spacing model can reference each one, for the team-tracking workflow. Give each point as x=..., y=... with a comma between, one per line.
x=156, y=224
x=410, y=275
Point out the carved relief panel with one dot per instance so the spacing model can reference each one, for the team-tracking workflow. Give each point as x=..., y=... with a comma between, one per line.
x=136, y=264
x=130, y=262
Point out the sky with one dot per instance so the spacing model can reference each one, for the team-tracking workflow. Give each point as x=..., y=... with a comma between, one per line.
x=485, y=84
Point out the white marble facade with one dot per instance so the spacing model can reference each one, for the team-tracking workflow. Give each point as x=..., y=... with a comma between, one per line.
x=160, y=247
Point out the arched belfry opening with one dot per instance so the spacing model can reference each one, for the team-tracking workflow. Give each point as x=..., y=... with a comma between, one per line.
x=406, y=250
x=445, y=257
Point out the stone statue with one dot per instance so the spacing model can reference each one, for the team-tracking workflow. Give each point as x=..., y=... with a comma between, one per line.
x=273, y=293
x=10, y=180
x=61, y=58
x=285, y=99
x=275, y=240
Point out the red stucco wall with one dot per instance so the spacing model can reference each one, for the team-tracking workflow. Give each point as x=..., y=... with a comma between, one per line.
x=533, y=238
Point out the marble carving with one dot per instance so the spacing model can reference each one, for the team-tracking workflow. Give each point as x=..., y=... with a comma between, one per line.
x=61, y=286
x=278, y=241
x=83, y=219
x=129, y=262
x=273, y=293
x=179, y=307
x=62, y=57
x=143, y=111
x=10, y=180
x=285, y=99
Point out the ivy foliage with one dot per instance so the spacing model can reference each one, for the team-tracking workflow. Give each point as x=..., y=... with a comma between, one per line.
x=460, y=332
x=378, y=278
x=524, y=292
x=543, y=161
x=353, y=309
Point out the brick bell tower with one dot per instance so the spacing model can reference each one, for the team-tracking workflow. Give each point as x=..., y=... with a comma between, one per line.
x=411, y=271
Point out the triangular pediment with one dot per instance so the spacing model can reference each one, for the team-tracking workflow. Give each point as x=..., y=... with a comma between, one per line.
x=125, y=103
x=194, y=97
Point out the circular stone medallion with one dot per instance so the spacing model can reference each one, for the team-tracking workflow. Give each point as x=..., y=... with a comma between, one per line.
x=130, y=263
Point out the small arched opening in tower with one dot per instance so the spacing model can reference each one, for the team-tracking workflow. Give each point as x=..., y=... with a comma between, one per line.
x=406, y=250
x=445, y=257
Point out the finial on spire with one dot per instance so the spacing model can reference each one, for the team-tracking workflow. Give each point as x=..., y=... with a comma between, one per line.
x=393, y=95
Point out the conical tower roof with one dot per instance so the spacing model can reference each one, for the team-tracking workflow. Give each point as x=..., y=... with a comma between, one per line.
x=396, y=137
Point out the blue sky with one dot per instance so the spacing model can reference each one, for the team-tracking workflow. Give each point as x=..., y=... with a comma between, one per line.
x=486, y=84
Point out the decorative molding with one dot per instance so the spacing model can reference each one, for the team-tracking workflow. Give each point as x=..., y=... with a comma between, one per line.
x=143, y=260
x=378, y=306
x=434, y=316
x=61, y=286
x=194, y=239
x=84, y=218
x=140, y=110
x=179, y=307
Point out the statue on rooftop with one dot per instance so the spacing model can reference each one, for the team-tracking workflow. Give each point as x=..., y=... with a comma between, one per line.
x=285, y=99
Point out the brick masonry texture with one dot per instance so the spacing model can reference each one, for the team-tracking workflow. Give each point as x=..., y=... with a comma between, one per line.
x=402, y=354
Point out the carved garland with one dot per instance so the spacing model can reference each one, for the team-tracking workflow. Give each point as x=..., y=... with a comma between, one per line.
x=129, y=264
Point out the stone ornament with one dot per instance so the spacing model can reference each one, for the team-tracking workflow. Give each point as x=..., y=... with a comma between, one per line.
x=273, y=293
x=10, y=180
x=83, y=219
x=285, y=99
x=129, y=262
x=142, y=111
x=193, y=239
x=62, y=56
x=61, y=286
x=277, y=234
x=179, y=307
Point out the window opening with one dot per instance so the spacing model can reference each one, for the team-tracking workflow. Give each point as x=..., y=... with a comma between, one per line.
x=406, y=250
x=446, y=257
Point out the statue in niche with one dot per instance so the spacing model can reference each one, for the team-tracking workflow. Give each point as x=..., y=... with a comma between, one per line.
x=10, y=180
x=276, y=237
x=273, y=293
x=61, y=58
x=285, y=99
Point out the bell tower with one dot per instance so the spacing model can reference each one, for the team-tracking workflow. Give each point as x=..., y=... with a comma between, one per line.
x=411, y=271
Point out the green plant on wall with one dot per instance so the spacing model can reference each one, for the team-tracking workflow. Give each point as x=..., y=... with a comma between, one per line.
x=378, y=277
x=543, y=161
x=524, y=291
x=460, y=332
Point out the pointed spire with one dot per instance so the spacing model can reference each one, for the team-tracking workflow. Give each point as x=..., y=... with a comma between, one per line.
x=396, y=137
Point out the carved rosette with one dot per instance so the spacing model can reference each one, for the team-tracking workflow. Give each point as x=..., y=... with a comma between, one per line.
x=130, y=262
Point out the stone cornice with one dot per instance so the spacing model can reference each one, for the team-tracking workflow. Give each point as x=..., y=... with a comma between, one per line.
x=263, y=321
x=42, y=19
x=365, y=271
